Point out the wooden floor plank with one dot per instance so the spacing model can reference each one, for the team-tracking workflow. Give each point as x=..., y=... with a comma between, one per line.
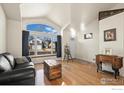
x=81, y=73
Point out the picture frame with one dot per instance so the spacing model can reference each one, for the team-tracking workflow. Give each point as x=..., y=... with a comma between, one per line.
x=108, y=51
x=88, y=36
x=110, y=35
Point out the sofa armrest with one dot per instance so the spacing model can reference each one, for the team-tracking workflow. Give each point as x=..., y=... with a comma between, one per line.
x=28, y=58
x=17, y=75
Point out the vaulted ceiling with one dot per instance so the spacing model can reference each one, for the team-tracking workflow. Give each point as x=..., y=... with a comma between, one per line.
x=61, y=14
x=87, y=12
x=12, y=10
x=58, y=13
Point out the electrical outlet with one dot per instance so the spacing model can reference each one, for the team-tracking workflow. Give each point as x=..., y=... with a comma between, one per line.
x=94, y=59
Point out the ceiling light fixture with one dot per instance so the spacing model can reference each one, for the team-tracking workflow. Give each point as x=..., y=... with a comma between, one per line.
x=73, y=33
x=82, y=27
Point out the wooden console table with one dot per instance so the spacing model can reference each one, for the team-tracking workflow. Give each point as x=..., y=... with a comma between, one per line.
x=116, y=61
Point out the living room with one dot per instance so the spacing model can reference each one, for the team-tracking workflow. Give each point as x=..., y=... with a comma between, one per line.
x=82, y=28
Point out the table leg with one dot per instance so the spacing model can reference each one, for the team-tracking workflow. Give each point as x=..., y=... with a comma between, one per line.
x=100, y=66
x=97, y=67
x=116, y=73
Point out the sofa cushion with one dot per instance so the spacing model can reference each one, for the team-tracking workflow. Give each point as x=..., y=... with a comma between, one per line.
x=10, y=58
x=23, y=65
x=21, y=60
x=4, y=64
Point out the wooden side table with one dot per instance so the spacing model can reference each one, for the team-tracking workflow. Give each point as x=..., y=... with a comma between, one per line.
x=52, y=69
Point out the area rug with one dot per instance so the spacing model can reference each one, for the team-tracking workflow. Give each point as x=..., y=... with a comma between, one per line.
x=39, y=79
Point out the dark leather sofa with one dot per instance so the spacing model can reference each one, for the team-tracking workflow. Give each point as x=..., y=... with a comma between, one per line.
x=12, y=73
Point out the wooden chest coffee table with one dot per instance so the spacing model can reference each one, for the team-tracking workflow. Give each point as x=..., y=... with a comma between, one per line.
x=52, y=69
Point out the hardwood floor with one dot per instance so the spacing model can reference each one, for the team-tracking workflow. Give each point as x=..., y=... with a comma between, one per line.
x=81, y=73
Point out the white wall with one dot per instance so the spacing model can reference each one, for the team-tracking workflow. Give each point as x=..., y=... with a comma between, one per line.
x=2, y=31
x=86, y=49
x=14, y=37
x=67, y=40
x=116, y=21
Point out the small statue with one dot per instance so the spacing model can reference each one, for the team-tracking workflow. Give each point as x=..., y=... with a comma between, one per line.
x=67, y=54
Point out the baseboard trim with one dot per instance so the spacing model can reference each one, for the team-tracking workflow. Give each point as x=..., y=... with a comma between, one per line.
x=85, y=61
x=42, y=56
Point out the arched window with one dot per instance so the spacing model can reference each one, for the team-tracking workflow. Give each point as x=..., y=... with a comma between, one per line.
x=40, y=28
x=42, y=39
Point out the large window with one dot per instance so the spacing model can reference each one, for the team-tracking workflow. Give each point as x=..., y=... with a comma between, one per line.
x=40, y=28
x=42, y=39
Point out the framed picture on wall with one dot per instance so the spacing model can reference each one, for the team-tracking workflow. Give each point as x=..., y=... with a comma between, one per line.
x=88, y=36
x=110, y=35
x=108, y=51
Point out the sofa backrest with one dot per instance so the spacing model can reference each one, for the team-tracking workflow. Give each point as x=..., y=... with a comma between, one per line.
x=4, y=64
x=10, y=58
